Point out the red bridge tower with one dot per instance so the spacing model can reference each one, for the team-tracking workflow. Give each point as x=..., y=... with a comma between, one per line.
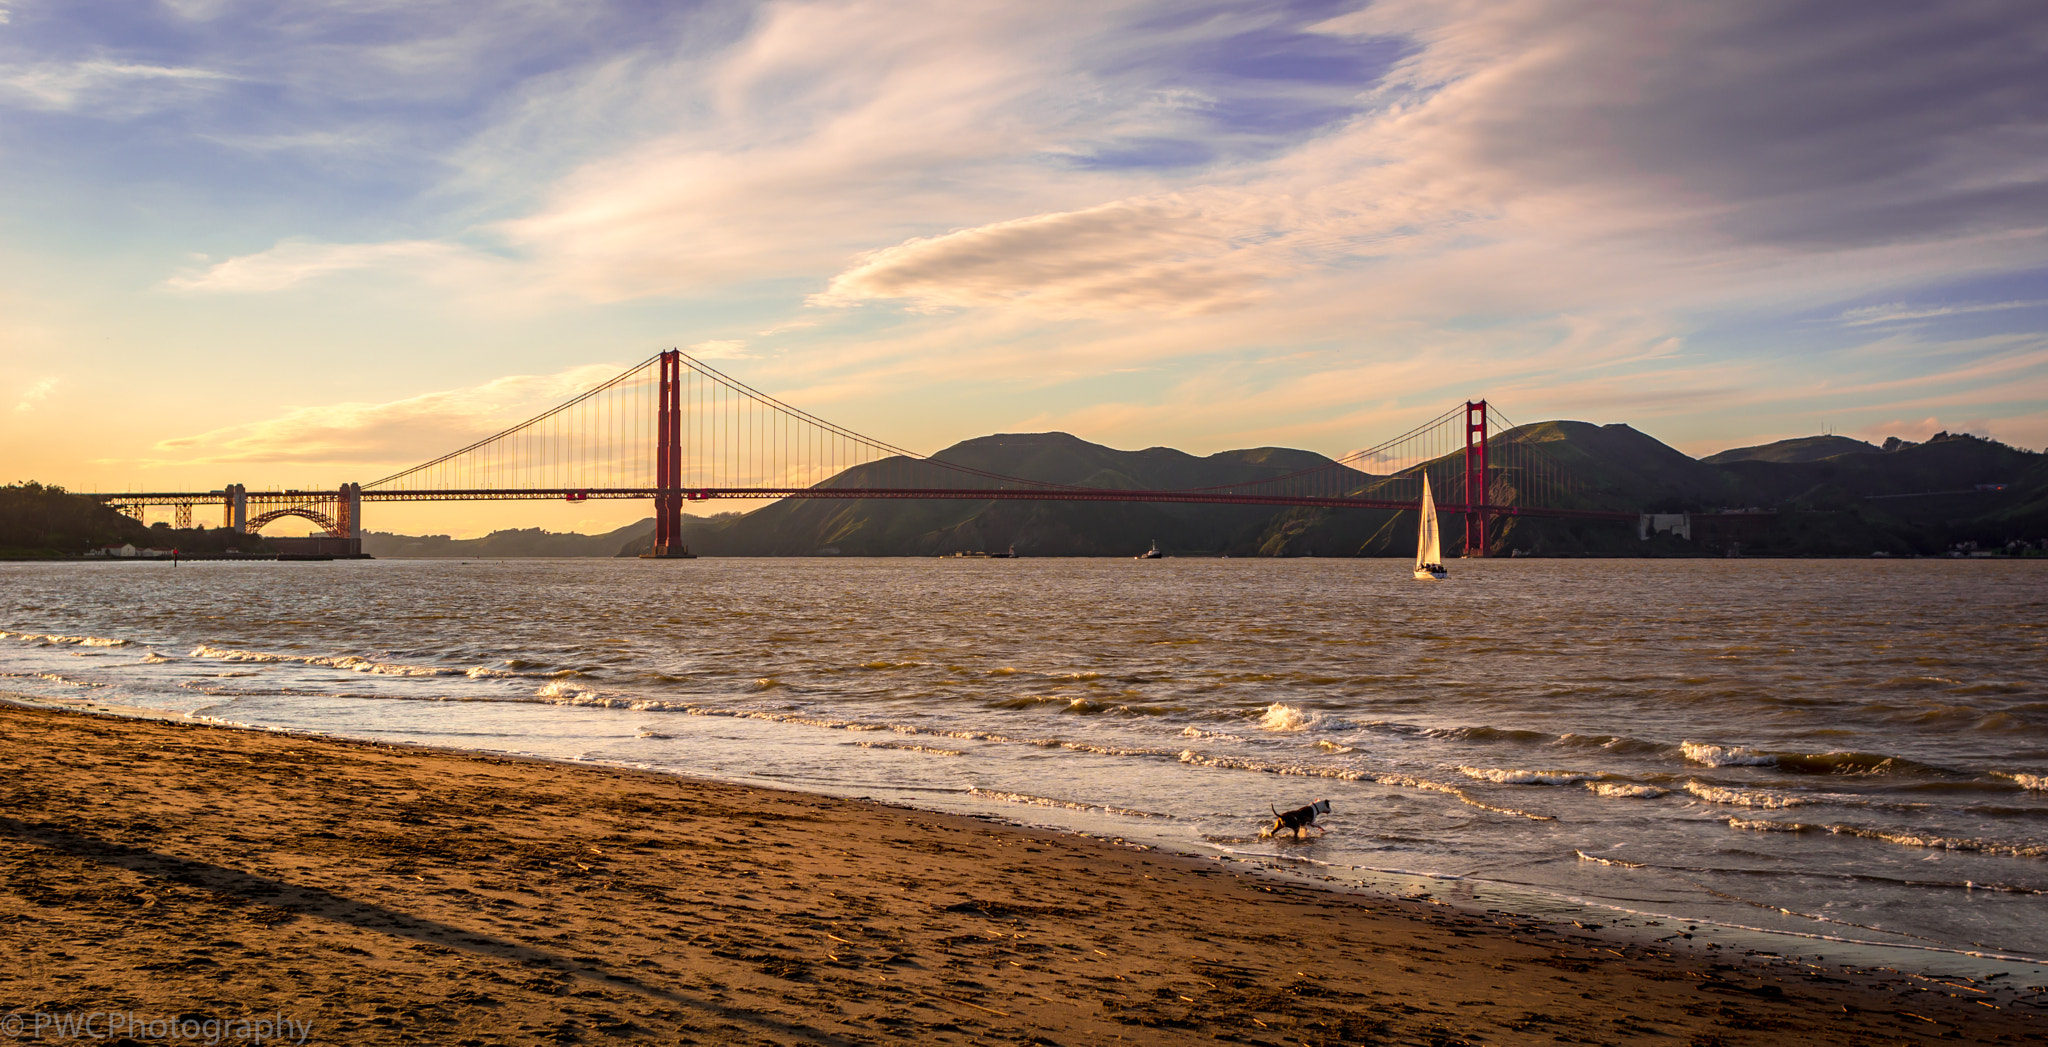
x=1475, y=478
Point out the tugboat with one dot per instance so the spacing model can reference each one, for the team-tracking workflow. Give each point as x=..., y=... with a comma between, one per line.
x=1152, y=553
x=1429, y=555
x=1011, y=555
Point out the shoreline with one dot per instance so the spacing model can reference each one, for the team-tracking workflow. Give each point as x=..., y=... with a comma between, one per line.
x=1369, y=884
x=383, y=892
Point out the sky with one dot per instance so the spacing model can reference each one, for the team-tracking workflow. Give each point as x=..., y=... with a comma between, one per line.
x=295, y=244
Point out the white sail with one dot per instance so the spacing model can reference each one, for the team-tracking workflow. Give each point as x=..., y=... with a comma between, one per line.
x=1428, y=548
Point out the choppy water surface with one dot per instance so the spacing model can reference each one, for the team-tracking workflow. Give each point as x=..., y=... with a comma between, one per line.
x=1845, y=749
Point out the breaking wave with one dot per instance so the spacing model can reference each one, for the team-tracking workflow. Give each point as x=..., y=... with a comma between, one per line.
x=1898, y=836
x=53, y=678
x=1084, y=706
x=1763, y=798
x=346, y=661
x=1352, y=774
x=1626, y=790
x=912, y=747
x=54, y=639
x=1282, y=717
x=1616, y=862
x=1725, y=756
x=1512, y=776
x=1072, y=805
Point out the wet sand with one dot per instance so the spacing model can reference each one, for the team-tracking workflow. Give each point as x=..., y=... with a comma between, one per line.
x=399, y=895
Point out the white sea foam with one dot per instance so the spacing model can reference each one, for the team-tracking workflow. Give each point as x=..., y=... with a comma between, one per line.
x=1901, y=837
x=1763, y=798
x=1515, y=776
x=911, y=747
x=1197, y=732
x=1616, y=862
x=227, y=654
x=1626, y=790
x=1072, y=805
x=1765, y=825
x=1351, y=774
x=1332, y=747
x=52, y=638
x=1236, y=763
x=154, y=658
x=351, y=662
x=1725, y=756
x=596, y=700
x=2037, y=782
x=53, y=678
x=1282, y=717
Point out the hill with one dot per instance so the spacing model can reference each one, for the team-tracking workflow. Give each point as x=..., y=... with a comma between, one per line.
x=1802, y=449
x=46, y=522
x=1902, y=499
x=530, y=541
x=893, y=527
x=1913, y=498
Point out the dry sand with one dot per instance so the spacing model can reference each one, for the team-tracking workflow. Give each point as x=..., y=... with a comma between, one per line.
x=400, y=895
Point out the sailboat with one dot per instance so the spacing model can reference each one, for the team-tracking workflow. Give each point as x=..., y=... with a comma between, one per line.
x=1429, y=554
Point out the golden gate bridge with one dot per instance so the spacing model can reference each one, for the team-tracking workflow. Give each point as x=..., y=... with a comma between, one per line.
x=675, y=430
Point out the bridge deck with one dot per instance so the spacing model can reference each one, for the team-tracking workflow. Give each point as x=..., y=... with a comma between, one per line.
x=694, y=494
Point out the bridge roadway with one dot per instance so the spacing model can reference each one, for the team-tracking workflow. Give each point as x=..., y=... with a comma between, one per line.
x=696, y=494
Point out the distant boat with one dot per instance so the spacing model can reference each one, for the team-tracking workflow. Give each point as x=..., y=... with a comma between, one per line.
x=1011, y=555
x=1152, y=553
x=1429, y=553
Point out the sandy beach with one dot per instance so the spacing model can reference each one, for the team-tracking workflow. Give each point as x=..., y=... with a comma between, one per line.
x=180, y=873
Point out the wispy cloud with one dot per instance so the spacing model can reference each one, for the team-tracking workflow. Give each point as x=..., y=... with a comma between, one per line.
x=122, y=88
x=391, y=433
x=1299, y=225
x=36, y=392
x=1167, y=254
x=1899, y=312
x=295, y=262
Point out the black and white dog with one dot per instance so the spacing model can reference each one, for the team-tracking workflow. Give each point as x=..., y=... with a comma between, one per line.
x=1298, y=819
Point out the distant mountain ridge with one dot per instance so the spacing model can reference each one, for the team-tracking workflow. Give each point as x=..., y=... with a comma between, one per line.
x=1798, y=449
x=1902, y=499
x=521, y=542
x=913, y=527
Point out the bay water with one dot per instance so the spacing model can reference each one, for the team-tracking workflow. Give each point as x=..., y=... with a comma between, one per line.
x=1825, y=753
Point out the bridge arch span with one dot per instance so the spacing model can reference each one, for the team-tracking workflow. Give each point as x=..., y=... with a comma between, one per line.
x=327, y=522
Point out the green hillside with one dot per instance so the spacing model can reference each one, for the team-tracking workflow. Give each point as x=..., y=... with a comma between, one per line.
x=47, y=522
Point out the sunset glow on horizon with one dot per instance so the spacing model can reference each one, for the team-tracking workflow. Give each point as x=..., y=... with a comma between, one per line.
x=298, y=244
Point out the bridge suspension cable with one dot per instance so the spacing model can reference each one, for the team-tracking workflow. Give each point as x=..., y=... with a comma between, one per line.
x=673, y=423
x=675, y=429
